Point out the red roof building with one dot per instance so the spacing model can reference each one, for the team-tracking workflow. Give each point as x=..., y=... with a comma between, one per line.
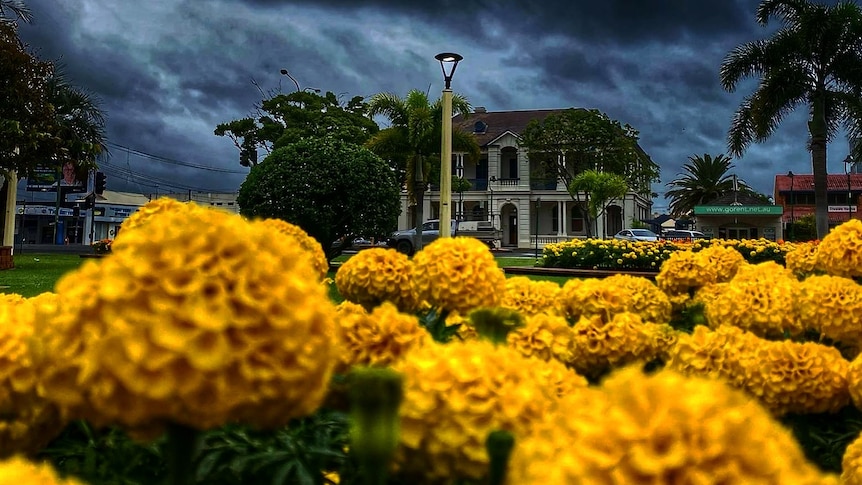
x=796, y=194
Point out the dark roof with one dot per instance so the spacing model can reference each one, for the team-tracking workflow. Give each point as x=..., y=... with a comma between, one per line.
x=805, y=182
x=742, y=198
x=499, y=122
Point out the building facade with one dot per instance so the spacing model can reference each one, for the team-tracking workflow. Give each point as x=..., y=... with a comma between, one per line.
x=795, y=193
x=505, y=187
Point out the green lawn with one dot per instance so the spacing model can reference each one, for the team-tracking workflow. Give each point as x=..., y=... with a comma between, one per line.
x=37, y=273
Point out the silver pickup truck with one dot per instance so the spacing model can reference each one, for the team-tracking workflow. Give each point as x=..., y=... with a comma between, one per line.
x=405, y=241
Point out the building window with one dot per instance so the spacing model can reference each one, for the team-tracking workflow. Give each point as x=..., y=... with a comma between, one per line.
x=577, y=223
x=555, y=219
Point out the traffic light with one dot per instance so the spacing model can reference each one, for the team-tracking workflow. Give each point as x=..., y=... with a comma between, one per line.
x=100, y=183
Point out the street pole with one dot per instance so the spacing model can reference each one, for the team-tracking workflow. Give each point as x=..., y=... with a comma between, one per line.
x=538, y=204
x=446, y=59
x=847, y=163
x=446, y=167
x=9, y=213
x=792, y=206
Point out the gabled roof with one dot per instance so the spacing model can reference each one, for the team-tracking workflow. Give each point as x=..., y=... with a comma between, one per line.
x=497, y=123
x=805, y=182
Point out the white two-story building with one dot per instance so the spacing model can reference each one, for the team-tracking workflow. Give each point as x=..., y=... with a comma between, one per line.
x=507, y=188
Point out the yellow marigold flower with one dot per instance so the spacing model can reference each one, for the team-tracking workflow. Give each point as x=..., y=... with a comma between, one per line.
x=379, y=338
x=146, y=212
x=457, y=393
x=685, y=271
x=530, y=297
x=832, y=305
x=612, y=295
x=19, y=471
x=851, y=463
x=708, y=293
x=199, y=318
x=840, y=251
x=306, y=242
x=854, y=378
x=724, y=260
x=662, y=338
x=760, y=298
x=661, y=429
x=347, y=307
x=597, y=345
x=786, y=377
x=543, y=336
x=27, y=421
x=375, y=275
x=458, y=274
x=802, y=260
x=466, y=331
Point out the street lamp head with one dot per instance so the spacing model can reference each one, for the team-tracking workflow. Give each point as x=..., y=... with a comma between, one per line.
x=849, y=160
x=449, y=59
x=790, y=174
x=284, y=72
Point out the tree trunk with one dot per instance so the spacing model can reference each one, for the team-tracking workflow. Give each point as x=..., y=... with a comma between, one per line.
x=817, y=130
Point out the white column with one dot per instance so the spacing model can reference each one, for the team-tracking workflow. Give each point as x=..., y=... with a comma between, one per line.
x=564, y=216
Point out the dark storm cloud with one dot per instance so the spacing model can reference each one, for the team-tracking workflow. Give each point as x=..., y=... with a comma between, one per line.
x=169, y=71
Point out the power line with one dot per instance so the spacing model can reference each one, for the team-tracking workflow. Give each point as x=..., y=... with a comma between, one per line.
x=148, y=180
x=172, y=161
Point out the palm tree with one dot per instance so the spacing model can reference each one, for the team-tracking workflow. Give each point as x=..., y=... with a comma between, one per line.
x=705, y=179
x=79, y=120
x=17, y=9
x=814, y=59
x=413, y=140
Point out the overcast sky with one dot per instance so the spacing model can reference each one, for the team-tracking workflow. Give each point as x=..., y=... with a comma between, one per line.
x=168, y=71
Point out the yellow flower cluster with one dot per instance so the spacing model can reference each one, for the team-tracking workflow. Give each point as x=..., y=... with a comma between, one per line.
x=663, y=338
x=615, y=294
x=530, y=297
x=851, y=463
x=455, y=394
x=27, y=421
x=306, y=242
x=840, y=252
x=661, y=429
x=686, y=272
x=832, y=305
x=19, y=471
x=146, y=212
x=457, y=274
x=379, y=338
x=198, y=317
x=760, y=298
x=597, y=345
x=802, y=259
x=543, y=336
x=786, y=377
x=854, y=379
x=375, y=275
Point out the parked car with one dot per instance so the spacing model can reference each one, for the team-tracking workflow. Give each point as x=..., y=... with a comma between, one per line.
x=682, y=235
x=636, y=235
x=405, y=241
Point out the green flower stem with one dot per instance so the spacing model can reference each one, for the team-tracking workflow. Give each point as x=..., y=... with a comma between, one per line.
x=499, y=445
x=375, y=396
x=182, y=445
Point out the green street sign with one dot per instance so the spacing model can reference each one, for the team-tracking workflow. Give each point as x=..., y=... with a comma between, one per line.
x=738, y=210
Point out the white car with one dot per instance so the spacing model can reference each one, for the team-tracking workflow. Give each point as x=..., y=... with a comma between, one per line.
x=636, y=235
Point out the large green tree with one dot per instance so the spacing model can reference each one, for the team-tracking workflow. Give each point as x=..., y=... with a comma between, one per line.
x=413, y=141
x=79, y=123
x=703, y=179
x=27, y=116
x=569, y=142
x=330, y=188
x=813, y=60
x=288, y=118
x=599, y=188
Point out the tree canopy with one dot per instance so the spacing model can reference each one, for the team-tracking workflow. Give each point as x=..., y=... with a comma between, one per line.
x=599, y=188
x=574, y=140
x=288, y=118
x=704, y=179
x=328, y=187
x=814, y=60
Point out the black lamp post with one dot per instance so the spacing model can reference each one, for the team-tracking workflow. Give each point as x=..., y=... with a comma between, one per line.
x=790, y=174
x=538, y=204
x=285, y=73
x=847, y=162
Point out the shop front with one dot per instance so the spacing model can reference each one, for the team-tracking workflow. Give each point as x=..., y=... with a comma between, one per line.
x=740, y=221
